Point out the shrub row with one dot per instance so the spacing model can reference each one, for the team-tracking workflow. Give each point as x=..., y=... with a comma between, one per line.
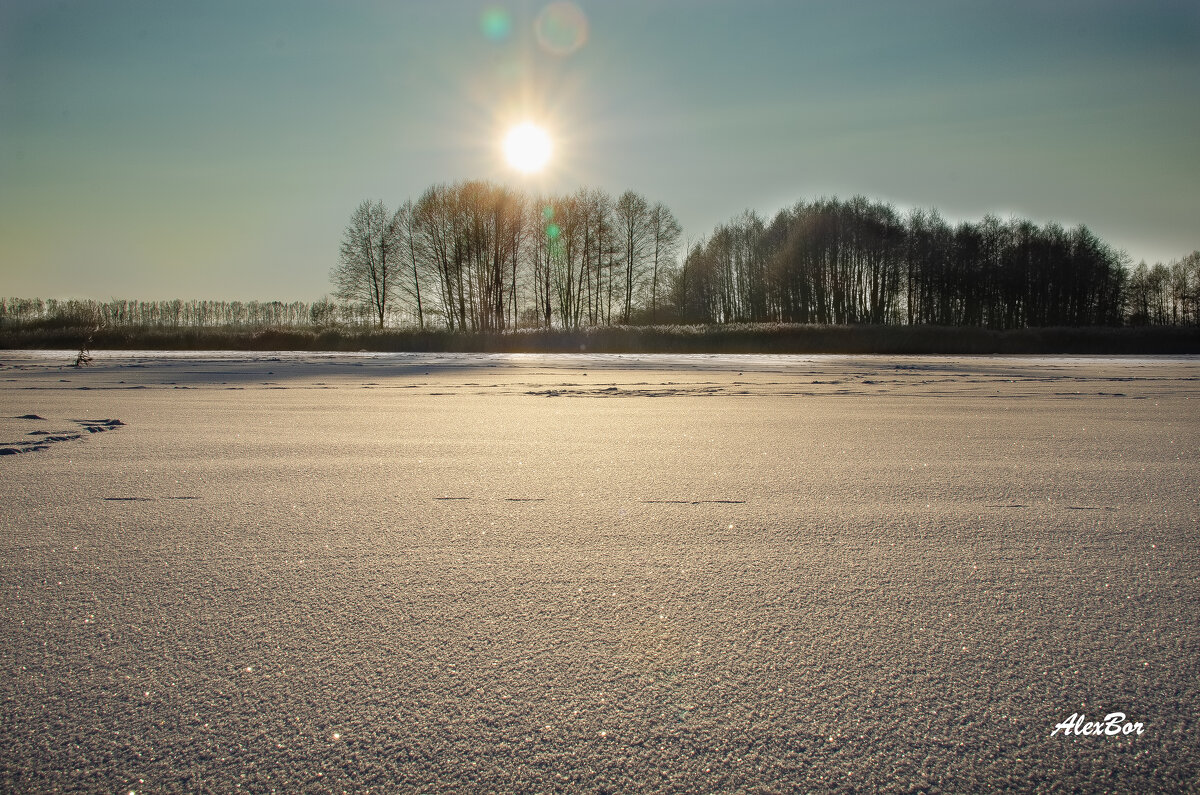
x=730, y=338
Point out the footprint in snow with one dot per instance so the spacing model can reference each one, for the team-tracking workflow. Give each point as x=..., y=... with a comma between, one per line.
x=38, y=439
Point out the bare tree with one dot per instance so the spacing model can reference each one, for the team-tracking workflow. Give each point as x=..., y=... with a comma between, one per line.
x=410, y=245
x=370, y=260
x=633, y=229
x=664, y=235
x=565, y=234
x=541, y=255
x=437, y=222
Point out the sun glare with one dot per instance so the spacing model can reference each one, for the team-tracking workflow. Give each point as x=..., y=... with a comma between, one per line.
x=527, y=147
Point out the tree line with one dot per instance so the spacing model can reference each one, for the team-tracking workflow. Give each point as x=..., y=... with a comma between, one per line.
x=175, y=313
x=475, y=256
x=858, y=261
x=1164, y=294
x=479, y=257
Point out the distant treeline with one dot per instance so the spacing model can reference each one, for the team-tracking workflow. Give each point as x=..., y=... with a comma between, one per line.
x=186, y=314
x=474, y=256
x=858, y=261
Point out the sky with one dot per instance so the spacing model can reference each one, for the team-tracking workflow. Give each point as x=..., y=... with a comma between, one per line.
x=216, y=149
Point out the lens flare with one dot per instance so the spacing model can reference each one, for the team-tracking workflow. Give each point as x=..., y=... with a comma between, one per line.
x=527, y=147
x=496, y=23
x=561, y=28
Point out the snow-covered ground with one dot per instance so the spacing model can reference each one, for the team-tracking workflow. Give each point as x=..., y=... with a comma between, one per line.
x=410, y=572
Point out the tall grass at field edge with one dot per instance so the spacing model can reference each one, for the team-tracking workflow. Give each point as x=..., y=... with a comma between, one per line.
x=733, y=338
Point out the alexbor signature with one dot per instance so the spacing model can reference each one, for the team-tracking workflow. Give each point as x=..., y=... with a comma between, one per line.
x=1114, y=724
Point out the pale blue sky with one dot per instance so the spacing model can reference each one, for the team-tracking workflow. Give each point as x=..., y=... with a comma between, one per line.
x=215, y=149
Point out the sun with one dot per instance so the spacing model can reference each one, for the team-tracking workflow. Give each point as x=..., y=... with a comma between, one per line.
x=528, y=147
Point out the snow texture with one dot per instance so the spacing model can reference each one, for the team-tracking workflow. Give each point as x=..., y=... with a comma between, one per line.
x=538, y=573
